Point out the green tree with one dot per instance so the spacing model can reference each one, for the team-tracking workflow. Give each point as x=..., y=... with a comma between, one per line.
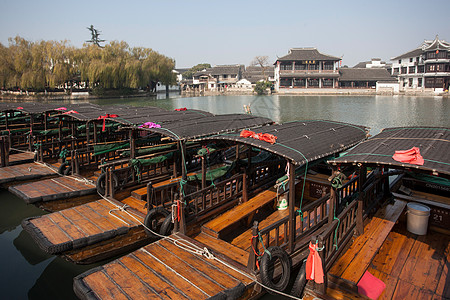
x=261, y=86
x=194, y=69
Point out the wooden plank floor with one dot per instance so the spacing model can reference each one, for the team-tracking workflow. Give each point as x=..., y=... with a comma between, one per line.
x=352, y=264
x=80, y=226
x=24, y=172
x=160, y=270
x=20, y=158
x=62, y=187
x=412, y=266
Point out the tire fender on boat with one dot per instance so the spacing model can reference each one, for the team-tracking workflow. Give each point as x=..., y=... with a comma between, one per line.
x=267, y=266
x=101, y=183
x=300, y=282
x=154, y=220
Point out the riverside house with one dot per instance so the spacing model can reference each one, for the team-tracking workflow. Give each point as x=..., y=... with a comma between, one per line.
x=424, y=68
x=306, y=68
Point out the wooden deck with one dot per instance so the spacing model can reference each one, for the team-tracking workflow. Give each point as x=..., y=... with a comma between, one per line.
x=351, y=265
x=80, y=226
x=20, y=158
x=163, y=270
x=412, y=266
x=62, y=187
x=22, y=172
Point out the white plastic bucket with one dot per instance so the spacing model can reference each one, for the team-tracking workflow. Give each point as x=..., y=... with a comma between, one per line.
x=417, y=218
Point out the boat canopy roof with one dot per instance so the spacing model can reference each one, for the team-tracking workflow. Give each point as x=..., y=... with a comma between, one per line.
x=433, y=144
x=303, y=141
x=194, y=128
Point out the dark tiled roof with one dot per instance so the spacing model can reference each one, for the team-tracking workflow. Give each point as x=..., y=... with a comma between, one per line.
x=433, y=143
x=255, y=74
x=221, y=70
x=413, y=53
x=304, y=141
x=306, y=54
x=364, y=74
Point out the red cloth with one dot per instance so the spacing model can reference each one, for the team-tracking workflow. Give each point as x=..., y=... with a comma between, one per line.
x=370, y=286
x=104, y=119
x=411, y=156
x=314, y=270
x=19, y=107
x=181, y=109
x=270, y=138
x=70, y=112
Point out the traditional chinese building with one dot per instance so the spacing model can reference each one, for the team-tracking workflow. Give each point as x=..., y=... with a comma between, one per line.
x=306, y=68
x=426, y=67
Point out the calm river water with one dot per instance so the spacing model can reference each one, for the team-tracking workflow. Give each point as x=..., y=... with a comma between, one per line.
x=28, y=273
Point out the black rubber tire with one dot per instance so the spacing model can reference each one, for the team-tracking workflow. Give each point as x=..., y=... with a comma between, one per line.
x=68, y=170
x=101, y=183
x=154, y=219
x=267, y=265
x=62, y=167
x=300, y=282
x=166, y=226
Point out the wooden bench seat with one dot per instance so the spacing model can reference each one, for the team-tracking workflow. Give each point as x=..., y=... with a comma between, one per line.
x=352, y=264
x=243, y=240
x=217, y=226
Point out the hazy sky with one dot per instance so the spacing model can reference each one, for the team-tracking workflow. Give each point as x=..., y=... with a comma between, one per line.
x=232, y=32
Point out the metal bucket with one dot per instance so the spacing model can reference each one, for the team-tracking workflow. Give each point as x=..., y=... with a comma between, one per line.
x=417, y=218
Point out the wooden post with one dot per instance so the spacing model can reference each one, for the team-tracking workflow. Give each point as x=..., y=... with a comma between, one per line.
x=203, y=173
x=182, y=228
x=132, y=144
x=87, y=133
x=6, y=120
x=387, y=192
x=31, y=133
x=291, y=206
x=320, y=245
x=245, y=186
x=359, y=212
x=251, y=264
x=3, y=151
x=332, y=204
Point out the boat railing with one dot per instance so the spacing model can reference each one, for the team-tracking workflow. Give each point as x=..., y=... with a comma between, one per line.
x=205, y=200
x=163, y=195
x=335, y=237
x=307, y=221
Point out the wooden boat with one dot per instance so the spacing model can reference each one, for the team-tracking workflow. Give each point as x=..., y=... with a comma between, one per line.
x=410, y=263
x=88, y=146
x=228, y=256
x=100, y=234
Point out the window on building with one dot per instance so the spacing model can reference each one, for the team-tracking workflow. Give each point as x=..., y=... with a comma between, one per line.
x=399, y=61
x=396, y=70
x=404, y=70
x=442, y=54
x=300, y=66
x=286, y=67
x=417, y=59
x=410, y=82
x=299, y=82
x=411, y=59
x=327, y=82
x=328, y=66
x=421, y=69
x=439, y=82
x=419, y=82
x=225, y=76
x=412, y=70
x=431, y=68
x=285, y=82
x=429, y=82
x=313, y=82
x=431, y=55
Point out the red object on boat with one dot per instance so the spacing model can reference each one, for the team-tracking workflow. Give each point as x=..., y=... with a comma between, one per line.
x=270, y=138
x=370, y=286
x=411, y=156
x=19, y=107
x=70, y=112
x=104, y=119
x=181, y=109
x=314, y=269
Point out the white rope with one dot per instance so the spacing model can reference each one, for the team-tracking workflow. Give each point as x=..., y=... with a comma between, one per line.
x=192, y=248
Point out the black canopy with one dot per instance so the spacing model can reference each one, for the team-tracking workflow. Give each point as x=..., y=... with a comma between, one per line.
x=303, y=141
x=433, y=144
